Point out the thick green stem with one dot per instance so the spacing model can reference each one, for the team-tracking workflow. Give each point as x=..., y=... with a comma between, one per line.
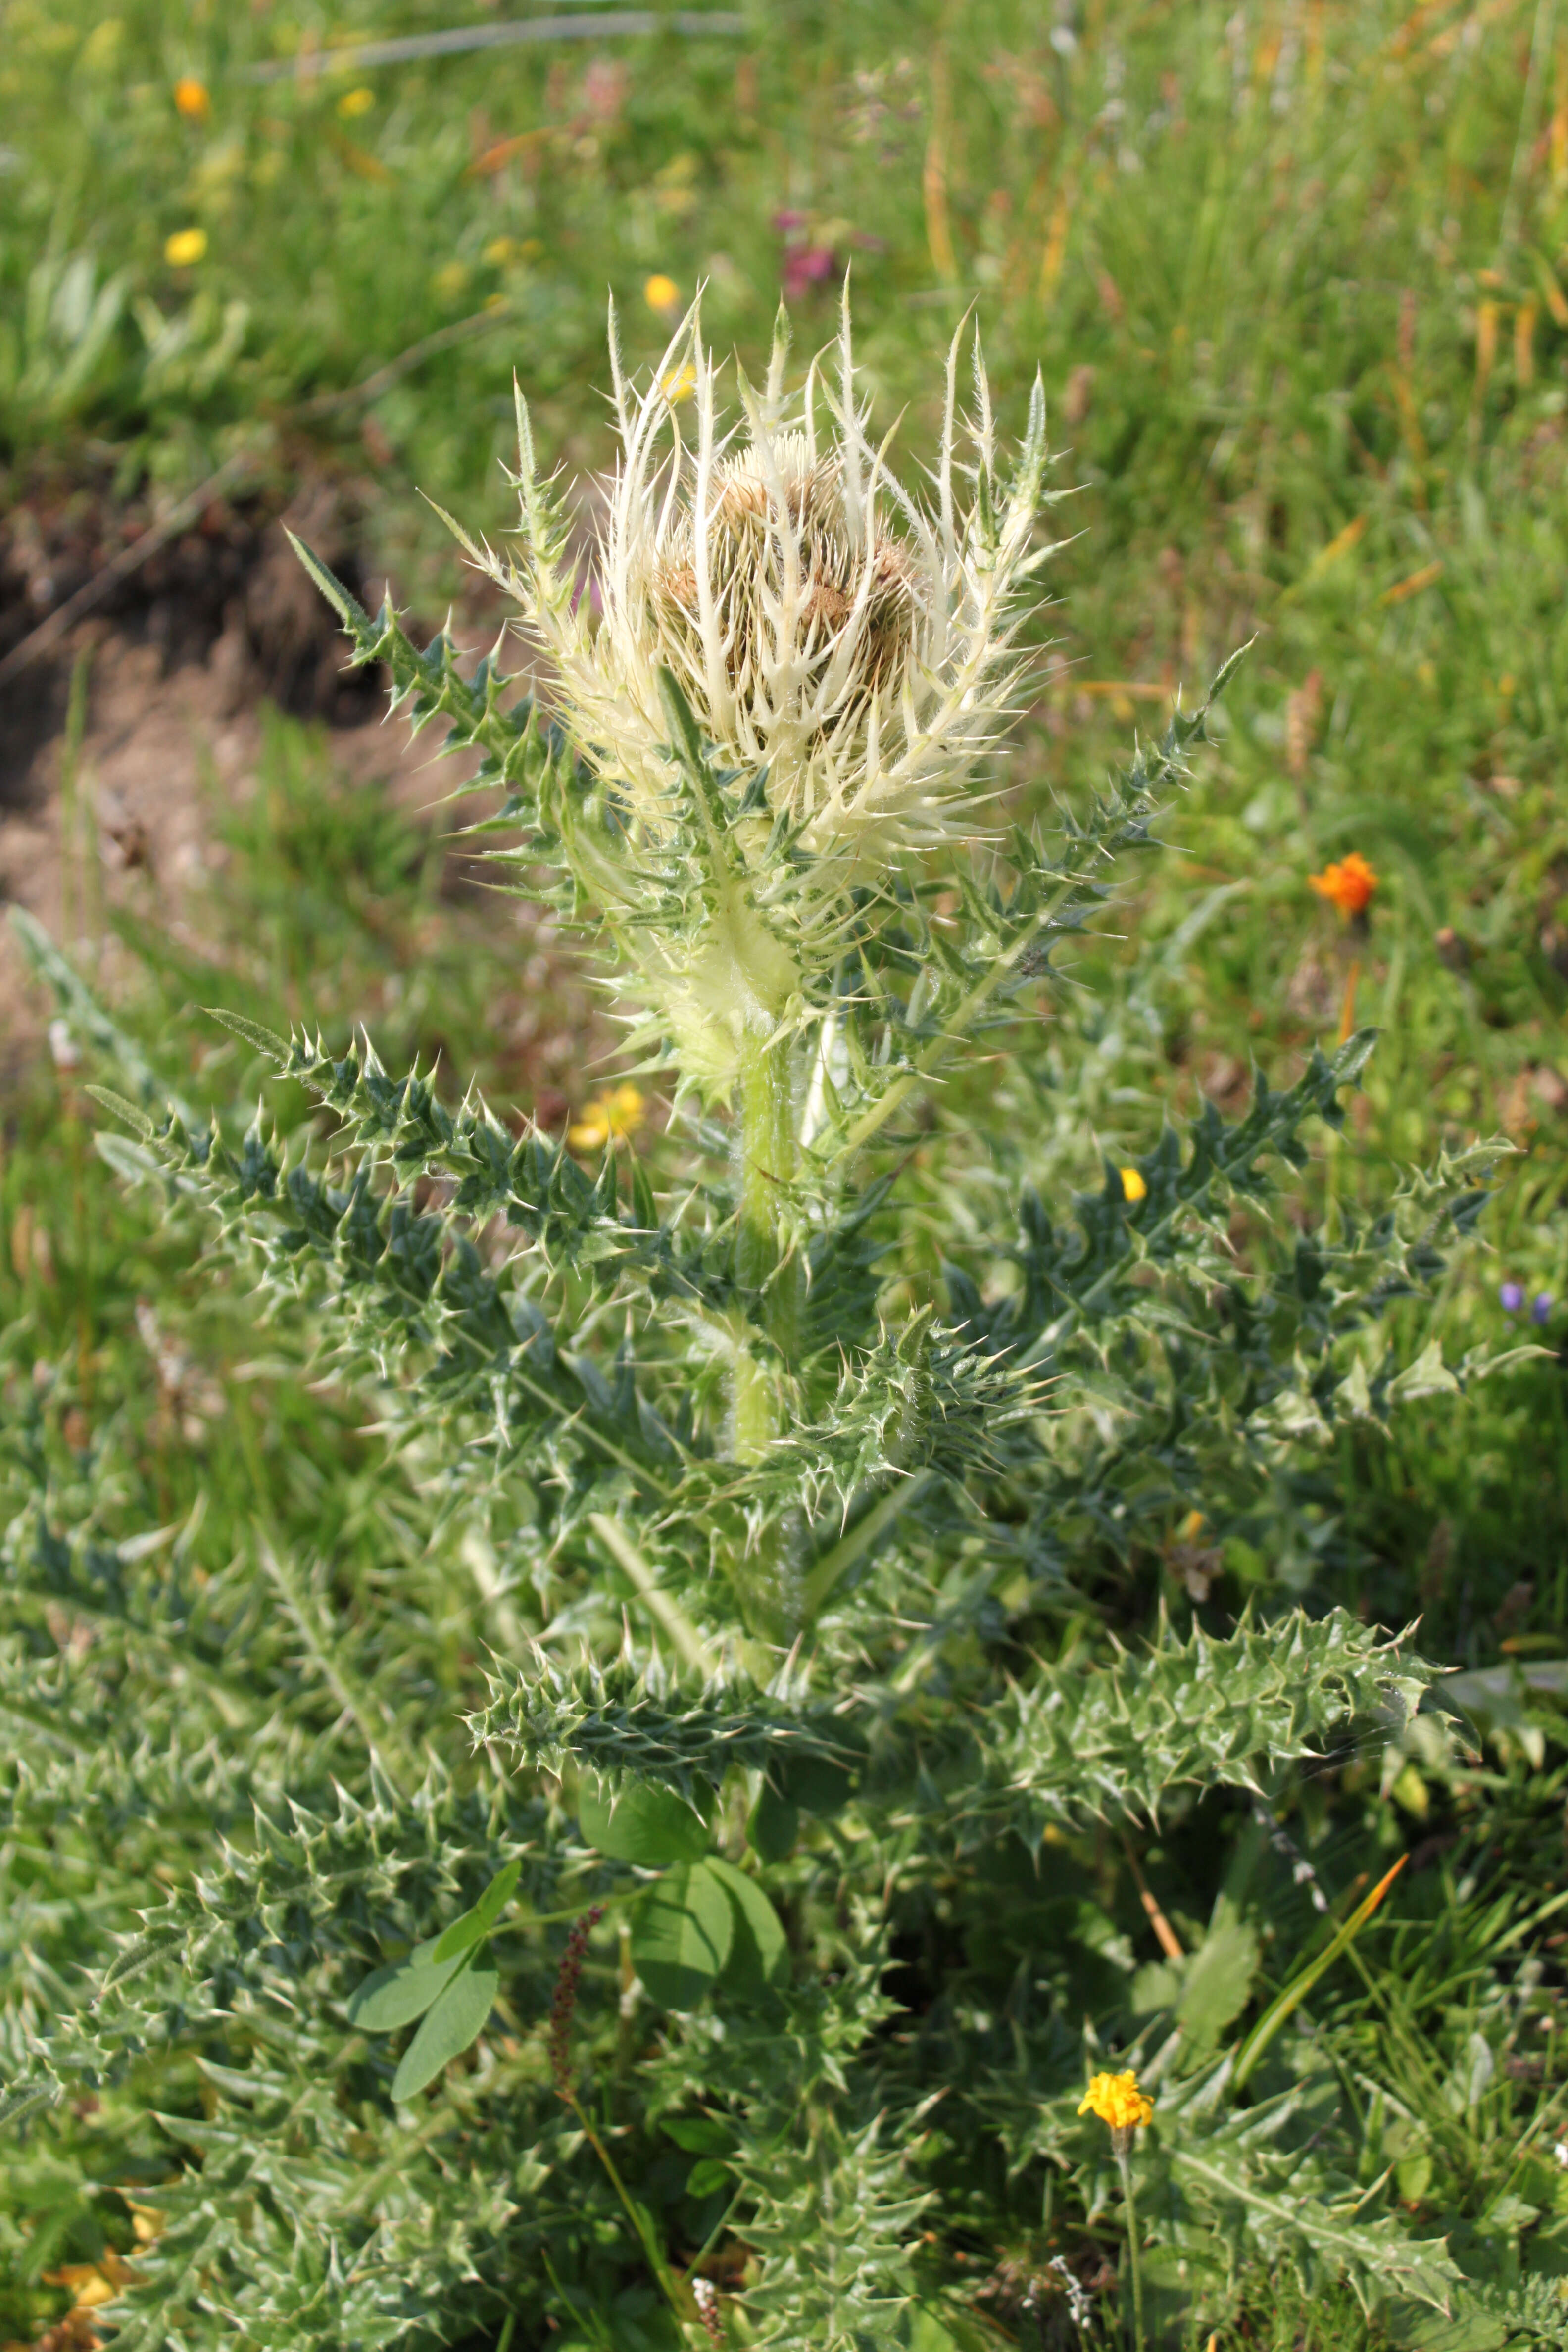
x=768, y=1148
x=770, y=1278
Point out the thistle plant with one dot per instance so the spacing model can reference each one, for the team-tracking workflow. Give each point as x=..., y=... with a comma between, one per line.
x=824, y=1452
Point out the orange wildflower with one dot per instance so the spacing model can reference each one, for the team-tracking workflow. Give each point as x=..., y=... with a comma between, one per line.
x=1349, y=885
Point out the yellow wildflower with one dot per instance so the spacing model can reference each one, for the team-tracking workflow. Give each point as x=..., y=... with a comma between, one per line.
x=1134, y=1188
x=450, y=281
x=185, y=247
x=355, y=101
x=661, y=293
x=607, y=1116
x=1117, y=2101
x=192, y=99
x=680, y=383
x=92, y=2284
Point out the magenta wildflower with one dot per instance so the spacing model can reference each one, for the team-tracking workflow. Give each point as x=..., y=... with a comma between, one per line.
x=806, y=265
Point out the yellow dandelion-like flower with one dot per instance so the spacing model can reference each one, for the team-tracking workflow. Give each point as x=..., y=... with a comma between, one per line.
x=1117, y=2101
x=148, y=2222
x=192, y=99
x=611, y=1115
x=185, y=247
x=661, y=293
x=92, y=2284
x=355, y=101
x=679, y=383
x=1134, y=1188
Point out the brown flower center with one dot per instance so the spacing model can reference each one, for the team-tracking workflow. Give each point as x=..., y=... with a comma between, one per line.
x=874, y=595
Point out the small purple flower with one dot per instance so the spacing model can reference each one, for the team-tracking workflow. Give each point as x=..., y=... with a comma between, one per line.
x=1541, y=1306
x=1512, y=1295
x=787, y=223
x=806, y=265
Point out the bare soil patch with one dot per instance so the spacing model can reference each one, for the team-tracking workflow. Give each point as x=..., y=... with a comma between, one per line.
x=182, y=657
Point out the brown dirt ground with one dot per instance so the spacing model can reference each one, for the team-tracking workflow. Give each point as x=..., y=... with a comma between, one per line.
x=181, y=660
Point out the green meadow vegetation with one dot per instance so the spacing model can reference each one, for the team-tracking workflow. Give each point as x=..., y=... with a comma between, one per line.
x=790, y=1683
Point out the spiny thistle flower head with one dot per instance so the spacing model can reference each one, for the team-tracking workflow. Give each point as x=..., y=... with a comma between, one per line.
x=854, y=644
x=784, y=672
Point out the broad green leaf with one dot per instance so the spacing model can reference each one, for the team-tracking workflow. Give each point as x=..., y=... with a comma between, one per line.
x=478, y=1922
x=395, y=1996
x=773, y=1825
x=1157, y=1985
x=681, y=1933
x=699, y=2134
x=457, y=2019
x=1461, y=2331
x=467, y=1929
x=818, y=1784
x=758, y=1955
x=1216, y=1982
x=644, y=1824
x=708, y=2174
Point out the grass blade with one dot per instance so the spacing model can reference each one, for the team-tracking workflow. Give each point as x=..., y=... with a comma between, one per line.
x=1300, y=1985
